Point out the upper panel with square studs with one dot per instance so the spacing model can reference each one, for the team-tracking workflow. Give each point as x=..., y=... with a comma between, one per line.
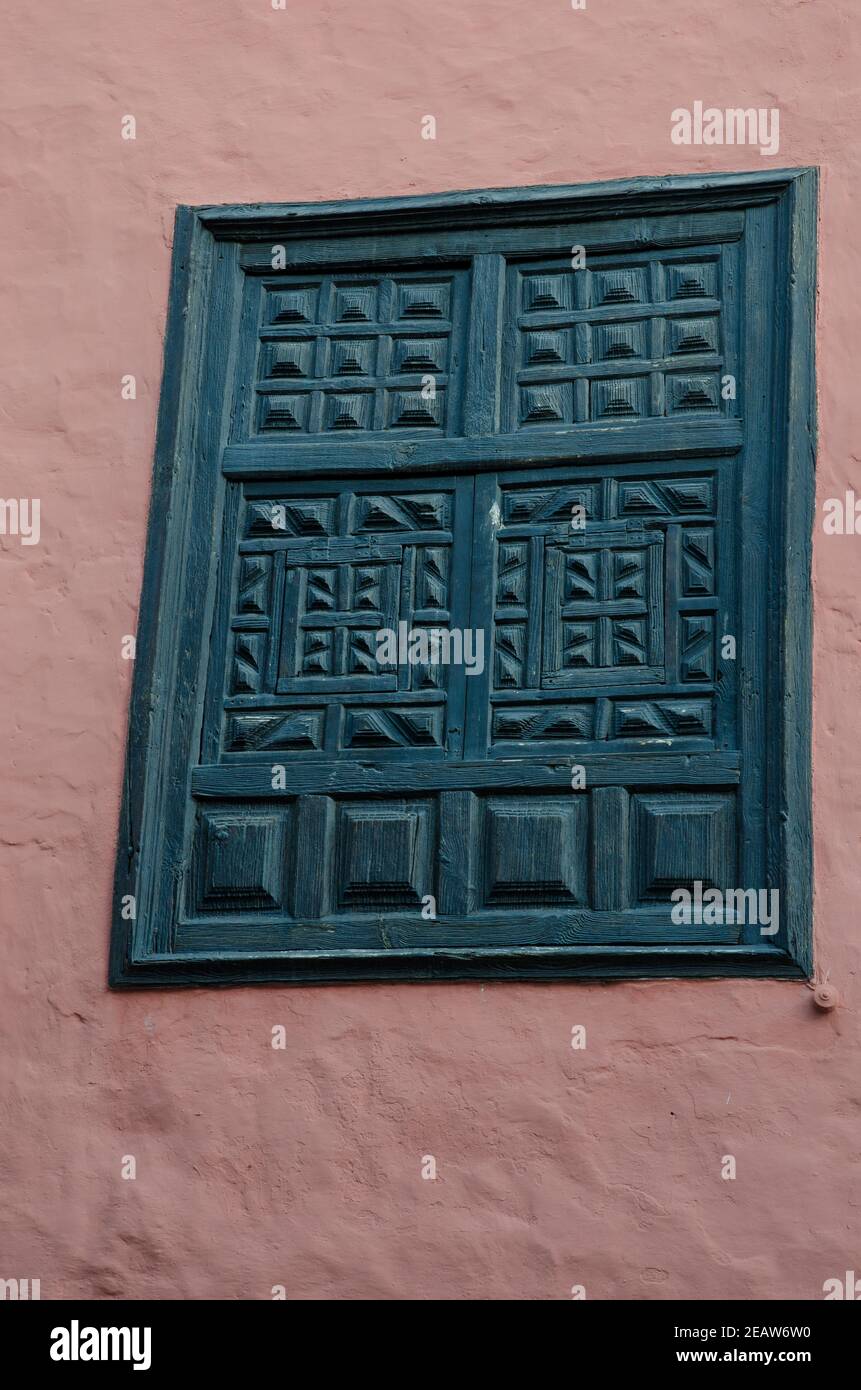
x=625, y=338
x=344, y=354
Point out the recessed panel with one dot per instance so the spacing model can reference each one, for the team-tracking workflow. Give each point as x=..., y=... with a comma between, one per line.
x=679, y=839
x=535, y=850
x=238, y=861
x=383, y=854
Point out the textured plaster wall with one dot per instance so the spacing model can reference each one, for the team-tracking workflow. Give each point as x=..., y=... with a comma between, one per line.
x=302, y=1167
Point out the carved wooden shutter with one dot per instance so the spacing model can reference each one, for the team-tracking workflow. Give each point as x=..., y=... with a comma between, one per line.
x=424, y=418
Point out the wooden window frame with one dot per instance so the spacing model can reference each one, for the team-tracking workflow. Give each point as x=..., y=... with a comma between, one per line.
x=211, y=247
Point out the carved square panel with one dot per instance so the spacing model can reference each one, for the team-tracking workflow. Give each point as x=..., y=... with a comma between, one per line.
x=419, y=355
x=383, y=854
x=550, y=347
x=355, y=303
x=238, y=861
x=693, y=393
x=535, y=850
x=548, y=404
x=285, y=411
x=424, y=299
x=618, y=342
x=415, y=409
x=298, y=304
x=352, y=356
x=348, y=412
x=687, y=337
x=622, y=285
x=692, y=280
x=547, y=293
x=620, y=398
x=603, y=608
x=289, y=358
x=680, y=838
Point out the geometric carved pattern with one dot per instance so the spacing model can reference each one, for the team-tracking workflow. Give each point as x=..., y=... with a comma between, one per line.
x=512, y=574
x=297, y=729
x=318, y=577
x=587, y=721
x=652, y=497
x=575, y=327
x=338, y=354
x=332, y=616
x=247, y=670
x=698, y=575
x=512, y=597
x=543, y=723
x=696, y=656
x=411, y=512
x=432, y=569
x=254, y=584
x=597, y=622
x=521, y=505
x=409, y=726
x=670, y=497
x=291, y=516
x=509, y=653
x=651, y=718
x=603, y=608
x=599, y=610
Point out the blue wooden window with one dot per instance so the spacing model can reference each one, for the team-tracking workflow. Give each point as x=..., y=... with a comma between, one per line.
x=416, y=414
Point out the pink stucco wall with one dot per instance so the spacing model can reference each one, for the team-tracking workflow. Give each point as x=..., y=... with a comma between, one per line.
x=258, y=1167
